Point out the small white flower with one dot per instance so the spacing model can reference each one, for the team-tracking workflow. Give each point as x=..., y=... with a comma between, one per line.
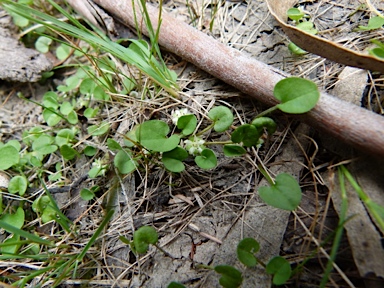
x=194, y=145
x=176, y=114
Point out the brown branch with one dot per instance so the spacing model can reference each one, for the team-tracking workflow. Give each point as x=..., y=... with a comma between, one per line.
x=353, y=125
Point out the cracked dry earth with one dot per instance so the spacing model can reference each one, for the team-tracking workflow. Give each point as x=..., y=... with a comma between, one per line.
x=202, y=216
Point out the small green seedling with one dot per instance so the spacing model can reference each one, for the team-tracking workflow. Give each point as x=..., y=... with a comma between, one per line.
x=18, y=184
x=89, y=194
x=295, y=14
x=42, y=44
x=377, y=51
x=44, y=207
x=230, y=276
x=280, y=269
x=246, y=250
x=222, y=117
x=374, y=23
x=142, y=237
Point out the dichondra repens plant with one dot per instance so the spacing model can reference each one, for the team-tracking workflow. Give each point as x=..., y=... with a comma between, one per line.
x=83, y=94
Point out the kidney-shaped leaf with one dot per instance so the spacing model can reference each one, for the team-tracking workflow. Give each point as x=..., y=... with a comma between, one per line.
x=152, y=135
x=248, y=134
x=9, y=156
x=231, y=150
x=284, y=194
x=172, y=160
x=187, y=124
x=207, y=159
x=280, y=268
x=16, y=220
x=222, y=116
x=265, y=122
x=124, y=162
x=246, y=250
x=144, y=236
x=230, y=276
x=297, y=95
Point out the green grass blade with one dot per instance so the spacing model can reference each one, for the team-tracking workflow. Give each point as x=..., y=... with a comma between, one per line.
x=25, y=234
x=95, y=235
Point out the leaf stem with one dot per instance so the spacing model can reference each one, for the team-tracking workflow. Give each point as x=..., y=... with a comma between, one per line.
x=266, y=175
x=206, y=129
x=266, y=112
x=218, y=143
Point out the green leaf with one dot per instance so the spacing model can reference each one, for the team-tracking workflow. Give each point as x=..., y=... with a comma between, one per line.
x=86, y=194
x=87, y=86
x=144, y=236
x=280, y=269
x=265, y=122
x=296, y=49
x=230, y=276
x=377, y=52
x=295, y=14
x=50, y=100
x=207, y=159
x=23, y=233
x=9, y=156
x=152, y=135
x=90, y=151
x=113, y=145
x=45, y=208
x=63, y=51
x=377, y=212
x=99, y=94
x=64, y=136
x=16, y=220
x=18, y=184
x=72, y=117
x=373, y=23
x=98, y=130
x=222, y=117
x=90, y=112
x=246, y=250
x=187, y=124
x=51, y=117
x=124, y=163
x=68, y=152
x=131, y=135
x=233, y=150
x=19, y=20
x=66, y=108
x=42, y=44
x=11, y=249
x=14, y=143
x=172, y=160
x=307, y=26
x=284, y=194
x=297, y=95
x=246, y=133
x=43, y=145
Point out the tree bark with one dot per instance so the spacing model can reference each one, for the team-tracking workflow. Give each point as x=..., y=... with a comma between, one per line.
x=352, y=124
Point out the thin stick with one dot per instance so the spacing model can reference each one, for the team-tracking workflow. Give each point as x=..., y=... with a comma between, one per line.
x=354, y=125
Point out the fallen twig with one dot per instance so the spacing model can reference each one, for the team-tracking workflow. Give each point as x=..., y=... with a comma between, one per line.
x=353, y=125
